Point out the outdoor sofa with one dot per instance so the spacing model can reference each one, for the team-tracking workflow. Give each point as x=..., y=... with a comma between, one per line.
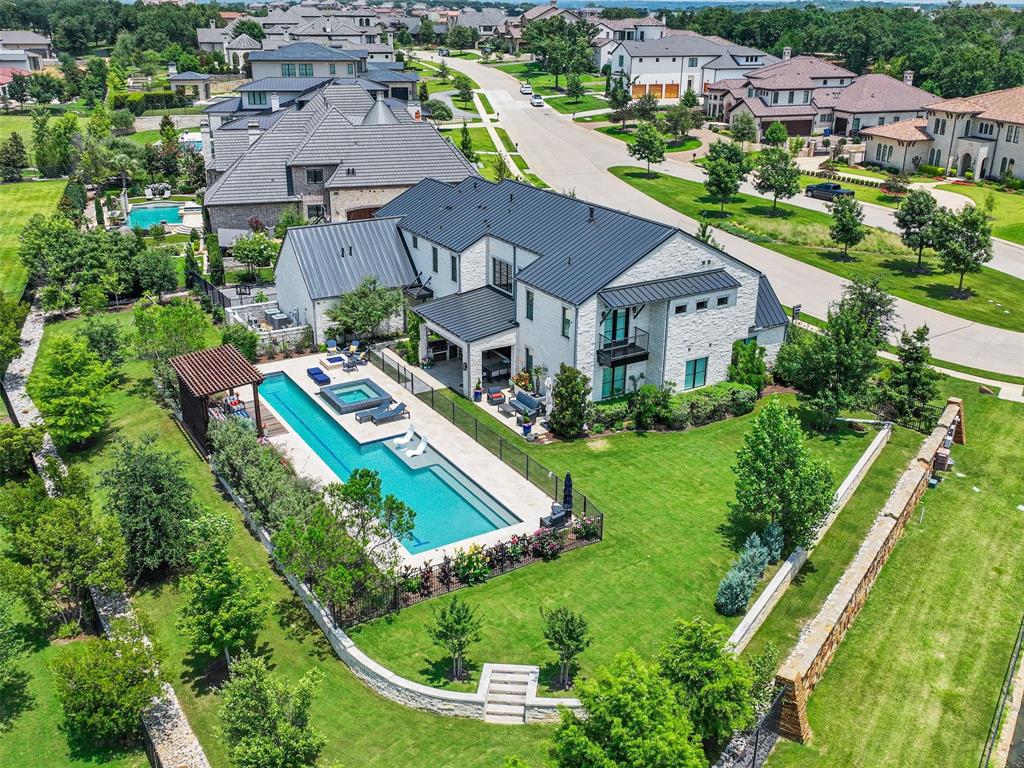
x=525, y=404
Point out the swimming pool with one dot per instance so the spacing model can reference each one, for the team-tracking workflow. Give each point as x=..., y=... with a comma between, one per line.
x=146, y=216
x=449, y=506
x=352, y=396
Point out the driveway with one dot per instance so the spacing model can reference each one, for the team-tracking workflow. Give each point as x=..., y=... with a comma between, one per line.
x=573, y=159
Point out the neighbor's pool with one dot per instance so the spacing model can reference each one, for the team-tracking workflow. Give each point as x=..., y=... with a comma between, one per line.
x=147, y=215
x=449, y=506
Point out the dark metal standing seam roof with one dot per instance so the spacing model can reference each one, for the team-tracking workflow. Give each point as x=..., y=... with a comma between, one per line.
x=769, y=313
x=669, y=288
x=303, y=52
x=334, y=258
x=581, y=247
x=284, y=84
x=473, y=315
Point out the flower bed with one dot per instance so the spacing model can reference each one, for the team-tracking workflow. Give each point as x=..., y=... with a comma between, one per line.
x=694, y=408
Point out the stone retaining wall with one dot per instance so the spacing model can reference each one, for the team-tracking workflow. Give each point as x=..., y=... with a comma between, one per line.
x=385, y=682
x=818, y=643
x=170, y=741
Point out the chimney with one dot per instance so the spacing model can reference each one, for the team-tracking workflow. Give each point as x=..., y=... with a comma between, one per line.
x=213, y=23
x=787, y=53
x=287, y=35
x=275, y=102
x=413, y=108
x=252, y=130
x=172, y=68
x=908, y=77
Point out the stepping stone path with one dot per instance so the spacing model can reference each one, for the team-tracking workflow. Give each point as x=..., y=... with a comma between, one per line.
x=505, y=700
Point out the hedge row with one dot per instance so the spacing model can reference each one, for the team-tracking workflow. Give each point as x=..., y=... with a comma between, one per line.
x=686, y=409
x=139, y=102
x=735, y=589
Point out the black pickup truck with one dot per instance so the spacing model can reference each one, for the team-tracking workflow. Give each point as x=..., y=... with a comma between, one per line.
x=827, y=191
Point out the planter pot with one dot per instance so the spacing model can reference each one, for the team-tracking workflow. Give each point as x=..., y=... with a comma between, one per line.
x=477, y=394
x=526, y=429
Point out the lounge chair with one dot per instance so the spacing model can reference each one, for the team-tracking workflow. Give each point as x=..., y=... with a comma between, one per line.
x=332, y=346
x=495, y=396
x=319, y=378
x=349, y=365
x=556, y=519
x=390, y=414
x=367, y=415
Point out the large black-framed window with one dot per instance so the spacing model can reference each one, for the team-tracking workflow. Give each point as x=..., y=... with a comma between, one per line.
x=501, y=275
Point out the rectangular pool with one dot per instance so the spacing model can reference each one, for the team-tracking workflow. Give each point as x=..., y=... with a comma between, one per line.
x=352, y=396
x=146, y=216
x=449, y=506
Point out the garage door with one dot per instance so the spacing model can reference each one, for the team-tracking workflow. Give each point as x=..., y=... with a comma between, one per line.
x=357, y=214
x=638, y=90
x=798, y=127
x=655, y=89
x=671, y=90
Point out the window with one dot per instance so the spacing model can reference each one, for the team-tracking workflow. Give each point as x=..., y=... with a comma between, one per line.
x=881, y=121
x=287, y=70
x=775, y=97
x=256, y=98
x=332, y=68
x=750, y=91
x=613, y=381
x=415, y=242
x=305, y=70
x=314, y=212
x=940, y=126
x=807, y=97
x=1013, y=134
x=620, y=61
x=692, y=62
x=348, y=68
x=501, y=275
x=856, y=123
x=656, y=59
x=528, y=355
x=986, y=129
x=529, y=305
x=723, y=301
x=696, y=373
x=433, y=256
x=681, y=309
x=314, y=175
x=566, y=322
x=702, y=304
x=792, y=96
x=455, y=268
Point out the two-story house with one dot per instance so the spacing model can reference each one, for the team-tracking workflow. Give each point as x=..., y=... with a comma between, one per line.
x=511, y=272
x=610, y=32
x=982, y=134
x=485, y=23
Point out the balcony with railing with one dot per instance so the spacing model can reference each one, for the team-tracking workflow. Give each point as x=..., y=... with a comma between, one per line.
x=632, y=348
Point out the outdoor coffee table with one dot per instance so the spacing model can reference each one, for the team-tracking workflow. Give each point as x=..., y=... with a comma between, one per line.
x=505, y=409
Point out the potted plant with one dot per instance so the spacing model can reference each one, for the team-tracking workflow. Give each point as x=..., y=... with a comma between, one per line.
x=521, y=381
x=477, y=392
x=527, y=425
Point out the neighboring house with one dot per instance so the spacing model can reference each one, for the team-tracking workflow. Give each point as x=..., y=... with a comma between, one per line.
x=485, y=22
x=38, y=47
x=983, y=134
x=542, y=279
x=194, y=85
x=306, y=60
x=667, y=66
x=239, y=49
x=331, y=151
x=18, y=59
x=613, y=31
x=514, y=25
x=7, y=76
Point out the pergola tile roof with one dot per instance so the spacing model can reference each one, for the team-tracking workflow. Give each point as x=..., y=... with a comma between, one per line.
x=210, y=371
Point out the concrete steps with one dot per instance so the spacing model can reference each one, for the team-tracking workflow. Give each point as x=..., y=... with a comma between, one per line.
x=505, y=699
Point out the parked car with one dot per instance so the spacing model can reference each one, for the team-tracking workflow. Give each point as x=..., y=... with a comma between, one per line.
x=443, y=52
x=827, y=191
x=525, y=88
x=536, y=100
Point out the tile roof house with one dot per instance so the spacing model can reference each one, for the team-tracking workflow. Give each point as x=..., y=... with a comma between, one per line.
x=486, y=22
x=511, y=272
x=982, y=134
x=331, y=152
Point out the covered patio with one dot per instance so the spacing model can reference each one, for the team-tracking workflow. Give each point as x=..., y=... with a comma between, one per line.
x=210, y=372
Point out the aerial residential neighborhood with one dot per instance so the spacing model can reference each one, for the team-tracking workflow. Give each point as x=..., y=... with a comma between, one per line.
x=551, y=385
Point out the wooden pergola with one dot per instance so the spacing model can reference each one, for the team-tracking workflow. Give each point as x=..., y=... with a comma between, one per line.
x=206, y=373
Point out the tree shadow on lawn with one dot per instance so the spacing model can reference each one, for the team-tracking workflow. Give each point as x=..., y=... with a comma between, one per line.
x=439, y=672
x=15, y=698
x=764, y=211
x=82, y=747
x=203, y=673
x=298, y=626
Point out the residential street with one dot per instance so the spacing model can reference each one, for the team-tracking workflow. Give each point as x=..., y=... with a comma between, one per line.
x=573, y=159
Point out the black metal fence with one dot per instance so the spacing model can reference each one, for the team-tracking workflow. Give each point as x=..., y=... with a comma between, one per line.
x=505, y=448
x=751, y=750
x=923, y=423
x=1004, y=695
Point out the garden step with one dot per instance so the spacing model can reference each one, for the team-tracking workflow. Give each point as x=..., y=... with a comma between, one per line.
x=518, y=699
x=505, y=719
x=501, y=676
x=505, y=709
x=509, y=687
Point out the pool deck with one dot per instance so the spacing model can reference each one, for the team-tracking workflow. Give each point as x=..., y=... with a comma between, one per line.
x=508, y=487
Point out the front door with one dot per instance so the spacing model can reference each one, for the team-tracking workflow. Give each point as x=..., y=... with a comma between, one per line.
x=616, y=325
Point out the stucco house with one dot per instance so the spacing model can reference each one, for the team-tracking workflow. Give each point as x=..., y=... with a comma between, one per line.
x=486, y=22
x=506, y=271
x=38, y=49
x=610, y=32
x=981, y=134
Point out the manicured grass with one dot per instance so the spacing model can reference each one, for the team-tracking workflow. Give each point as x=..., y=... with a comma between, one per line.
x=487, y=103
x=664, y=552
x=175, y=111
x=628, y=135
x=916, y=679
x=874, y=173
x=18, y=202
x=863, y=193
x=997, y=298
x=593, y=118
x=481, y=138
x=142, y=138
x=471, y=55
x=1008, y=214
x=520, y=162
x=542, y=81
x=567, y=105
x=536, y=180
x=506, y=141
x=22, y=124
x=361, y=728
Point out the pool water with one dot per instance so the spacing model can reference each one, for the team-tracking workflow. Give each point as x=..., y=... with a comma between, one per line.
x=352, y=396
x=146, y=216
x=449, y=506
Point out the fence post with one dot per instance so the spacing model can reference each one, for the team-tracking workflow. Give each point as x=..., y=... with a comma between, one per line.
x=432, y=398
x=476, y=430
x=527, y=467
x=501, y=448
x=453, y=411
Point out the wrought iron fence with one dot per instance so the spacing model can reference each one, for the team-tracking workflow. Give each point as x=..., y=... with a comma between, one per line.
x=923, y=423
x=751, y=749
x=1004, y=695
x=505, y=448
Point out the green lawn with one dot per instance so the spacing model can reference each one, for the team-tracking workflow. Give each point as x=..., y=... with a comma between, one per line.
x=22, y=124
x=874, y=173
x=915, y=681
x=506, y=141
x=568, y=105
x=362, y=728
x=481, y=138
x=487, y=104
x=863, y=193
x=544, y=82
x=18, y=202
x=997, y=298
x=628, y=135
x=1008, y=214
x=662, y=558
x=142, y=138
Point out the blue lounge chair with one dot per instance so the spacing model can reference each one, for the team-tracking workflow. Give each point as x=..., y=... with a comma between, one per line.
x=319, y=378
x=332, y=346
x=368, y=414
x=390, y=414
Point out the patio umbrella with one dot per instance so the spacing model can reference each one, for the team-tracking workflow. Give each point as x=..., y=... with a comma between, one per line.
x=549, y=400
x=567, y=493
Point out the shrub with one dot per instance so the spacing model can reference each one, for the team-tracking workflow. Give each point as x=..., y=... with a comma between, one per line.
x=754, y=557
x=773, y=539
x=734, y=592
x=243, y=339
x=650, y=405
x=931, y=170
x=471, y=565
x=571, y=396
x=546, y=544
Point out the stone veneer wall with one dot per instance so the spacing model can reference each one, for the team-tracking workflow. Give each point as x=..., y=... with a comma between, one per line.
x=385, y=682
x=170, y=741
x=818, y=643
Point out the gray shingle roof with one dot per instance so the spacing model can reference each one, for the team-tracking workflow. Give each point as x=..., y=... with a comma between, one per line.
x=473, y=315
x=303, y=52
x=189, y=75
x=243, y=43
x=486, y=17
x=578, y=255
x=769, y=312
x=669, y=288
x=334, y=258
x=207, y=35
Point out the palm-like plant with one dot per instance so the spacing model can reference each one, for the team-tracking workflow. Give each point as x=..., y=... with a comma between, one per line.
x=126, y=166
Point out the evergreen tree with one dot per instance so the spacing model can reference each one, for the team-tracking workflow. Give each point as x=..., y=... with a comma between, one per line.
x=466, y=143
x=13, y=158
x=912, y=382
x=689, y=99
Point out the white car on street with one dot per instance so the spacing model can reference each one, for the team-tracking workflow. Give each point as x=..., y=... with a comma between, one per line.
x=525, y=88
x=536, y=100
